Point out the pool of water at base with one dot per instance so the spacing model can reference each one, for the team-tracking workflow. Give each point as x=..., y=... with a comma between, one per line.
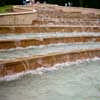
x=80, y=81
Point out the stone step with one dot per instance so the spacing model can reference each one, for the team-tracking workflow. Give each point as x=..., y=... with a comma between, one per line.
x=17, y=53
x=60, y=14
x=57, y=10
x=12, y=67
x=14, y=36
x=56, y=21
x=47, y=28
x=9, y=42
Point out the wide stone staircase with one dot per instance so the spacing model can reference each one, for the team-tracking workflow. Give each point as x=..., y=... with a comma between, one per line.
x=23, y=51
x=57, y=15
x=54, y=17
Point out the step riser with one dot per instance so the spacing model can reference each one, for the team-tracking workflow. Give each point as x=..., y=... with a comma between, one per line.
x=30, y=29
x=29, y=42
x=26, y=64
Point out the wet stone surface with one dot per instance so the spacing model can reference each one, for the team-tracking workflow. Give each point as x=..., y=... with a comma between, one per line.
x=43, y=50
x=78, y=81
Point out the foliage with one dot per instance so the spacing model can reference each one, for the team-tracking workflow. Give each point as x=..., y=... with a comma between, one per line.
x=81, y=3
x=78, y=3
x=59, y=2
x=90, y=3
x=5, y=8
x=9, y=2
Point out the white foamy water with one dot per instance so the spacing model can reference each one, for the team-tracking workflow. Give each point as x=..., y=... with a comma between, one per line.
x=40, y=71
x=45, y=35
x=43, y=50
x=73, y=81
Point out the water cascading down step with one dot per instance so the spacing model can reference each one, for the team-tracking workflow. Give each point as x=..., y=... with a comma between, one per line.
x=29, y=39
x=46, y=35
x=25, y=52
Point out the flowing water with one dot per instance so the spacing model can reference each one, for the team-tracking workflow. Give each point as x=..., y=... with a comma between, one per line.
x=45, y=35
x=77, y=81
x=43, y=50
x=69, y=81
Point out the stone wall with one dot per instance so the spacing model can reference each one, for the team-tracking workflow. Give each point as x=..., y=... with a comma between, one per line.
x=22, y=18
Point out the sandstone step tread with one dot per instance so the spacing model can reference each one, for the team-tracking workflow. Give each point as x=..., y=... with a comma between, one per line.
x=46, y=29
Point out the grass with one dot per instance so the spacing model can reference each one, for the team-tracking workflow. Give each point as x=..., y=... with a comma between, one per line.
x=4, y=9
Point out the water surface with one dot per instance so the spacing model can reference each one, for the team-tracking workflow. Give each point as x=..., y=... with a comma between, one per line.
x=43, y=50
x=45, y=35
x=79, y=81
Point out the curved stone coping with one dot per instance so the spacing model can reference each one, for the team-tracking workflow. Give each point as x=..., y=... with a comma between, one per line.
x=16, y=13
x=7, y=44
x=11, y=67
x=22, y=7
x=45, y=49
x=46, y=29
x=48, y=26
